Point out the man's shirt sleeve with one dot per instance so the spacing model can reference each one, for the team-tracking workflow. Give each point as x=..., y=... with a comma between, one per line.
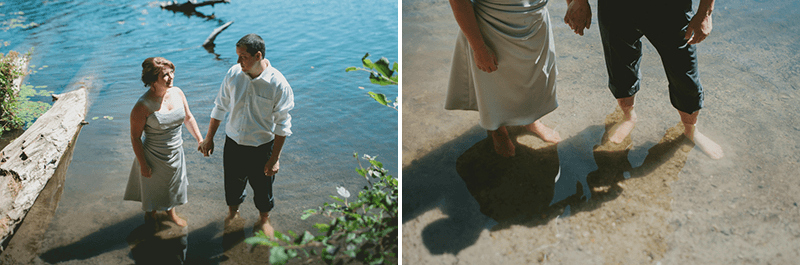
x=280, y=112
x=222, y=102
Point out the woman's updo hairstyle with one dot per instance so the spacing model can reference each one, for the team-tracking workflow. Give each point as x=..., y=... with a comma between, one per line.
x=152, y=68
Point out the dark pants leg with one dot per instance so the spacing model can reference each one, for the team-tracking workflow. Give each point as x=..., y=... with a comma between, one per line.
x=243, y=164
x=664, y=23
x=679, y=59
x=622, y=48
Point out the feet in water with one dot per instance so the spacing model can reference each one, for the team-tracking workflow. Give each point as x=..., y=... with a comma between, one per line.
x=232, y=216
x=175, y=218
x=544, y=132
x=708, y=146
x=264, y=225
x=624, y=128
x=150, y=218
x=502, y=143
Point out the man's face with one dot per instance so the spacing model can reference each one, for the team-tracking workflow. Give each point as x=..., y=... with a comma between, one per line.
x=247, y=60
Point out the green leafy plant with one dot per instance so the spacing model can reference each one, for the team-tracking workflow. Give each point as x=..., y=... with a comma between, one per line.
x=8, y=97
x=379, y=73
x=364, y=229
x=17, y=110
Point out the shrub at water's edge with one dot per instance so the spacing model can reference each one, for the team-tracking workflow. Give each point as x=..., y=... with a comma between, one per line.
x=365, y=229
x=17, y=111
x=381, y=74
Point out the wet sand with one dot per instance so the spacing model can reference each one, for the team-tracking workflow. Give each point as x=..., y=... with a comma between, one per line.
x=655, y=198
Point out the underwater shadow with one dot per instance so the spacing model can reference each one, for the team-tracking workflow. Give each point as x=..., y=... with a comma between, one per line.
x=160, y=242
x=542, y=182
x=580, y=174
x=432, y=182
x=206, y=246
x=106, y=239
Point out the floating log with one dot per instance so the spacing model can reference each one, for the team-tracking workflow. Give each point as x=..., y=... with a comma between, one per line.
x=189, y=6
x=28, y=163
x=209, y=43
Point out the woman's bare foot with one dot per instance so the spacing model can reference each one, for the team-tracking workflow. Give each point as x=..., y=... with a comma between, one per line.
x=175, y=218
x=149, y=217
x=544, y=132
x=502, y=143
x=624, y=128
x=708, y=146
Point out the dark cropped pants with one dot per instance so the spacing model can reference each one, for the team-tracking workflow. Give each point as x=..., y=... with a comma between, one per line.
x=243, y=164
x=664, y=23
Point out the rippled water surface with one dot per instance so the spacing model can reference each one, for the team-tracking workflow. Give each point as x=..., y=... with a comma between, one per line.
x=101, y=44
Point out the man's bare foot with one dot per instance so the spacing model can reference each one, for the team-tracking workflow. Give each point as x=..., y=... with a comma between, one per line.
x=175, y=218
x=624, y=128
x=231, y=217
x=502, y=143
x=708, y=146
x=264, y=225
x=544, y=132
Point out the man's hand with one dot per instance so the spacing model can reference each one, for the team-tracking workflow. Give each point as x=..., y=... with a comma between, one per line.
x=578, y=16
x=485, y=59
x=699, y=28
x=271, y=168
x=206, y=147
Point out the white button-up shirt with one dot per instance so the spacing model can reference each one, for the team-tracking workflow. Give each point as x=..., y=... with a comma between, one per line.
x=259, y=107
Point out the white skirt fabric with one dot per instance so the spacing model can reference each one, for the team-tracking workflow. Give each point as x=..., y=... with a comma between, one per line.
x=523, y=89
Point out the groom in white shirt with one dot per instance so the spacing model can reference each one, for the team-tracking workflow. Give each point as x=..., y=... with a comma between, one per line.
x=258, y=99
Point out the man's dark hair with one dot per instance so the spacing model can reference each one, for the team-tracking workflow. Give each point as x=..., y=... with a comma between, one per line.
x=253, y=43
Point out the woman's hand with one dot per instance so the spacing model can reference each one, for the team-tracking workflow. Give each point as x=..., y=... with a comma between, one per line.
x=146, y=171
x=206, y=147
x=485, y=59
x=578, y=16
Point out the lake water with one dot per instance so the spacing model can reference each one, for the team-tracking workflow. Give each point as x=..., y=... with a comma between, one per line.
x=102, y=44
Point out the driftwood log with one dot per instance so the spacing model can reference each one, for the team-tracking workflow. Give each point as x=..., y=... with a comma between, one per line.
x=209, y=43
x=190, y=6
x=28, y=162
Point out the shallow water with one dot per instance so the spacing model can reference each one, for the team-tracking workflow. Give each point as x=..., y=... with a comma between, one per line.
x=649, y=200
x=101, y=44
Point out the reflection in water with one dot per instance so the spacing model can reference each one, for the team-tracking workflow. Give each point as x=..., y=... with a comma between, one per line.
x=543, y=179
x=234, y=233
x=161, y=242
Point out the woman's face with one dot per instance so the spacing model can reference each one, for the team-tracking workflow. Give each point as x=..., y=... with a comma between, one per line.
x=165, y=78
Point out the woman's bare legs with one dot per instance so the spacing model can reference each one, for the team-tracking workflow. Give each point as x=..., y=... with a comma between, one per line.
x=544, y=132
x=175, y=218
x=502, y=143
x=505, y=147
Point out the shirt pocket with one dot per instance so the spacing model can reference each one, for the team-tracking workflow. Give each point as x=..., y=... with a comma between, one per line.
x=263, y=106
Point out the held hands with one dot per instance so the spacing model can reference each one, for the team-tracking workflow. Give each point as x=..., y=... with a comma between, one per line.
x=578, y=16
x=271, y=168
x=698, y=29
x=485, y=58
x=206, y=147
